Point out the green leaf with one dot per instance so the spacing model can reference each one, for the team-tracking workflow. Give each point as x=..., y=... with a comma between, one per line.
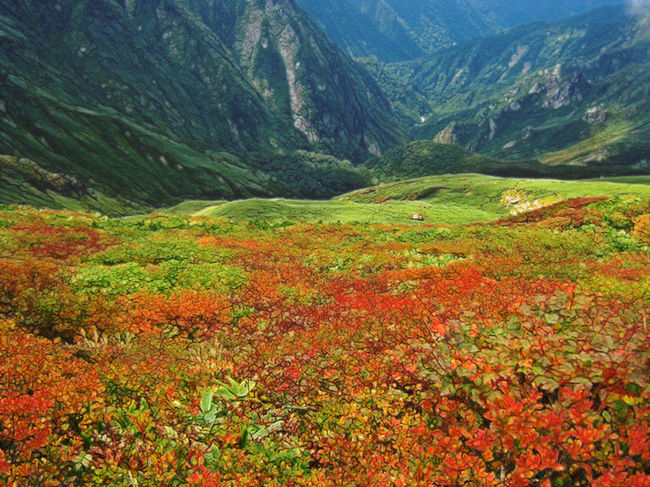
x=246, y=387
x=171, y=432
x=226, y=393
x=206, y=402
x=210, y=416
x=235, y=390
x=547, y=383
x=260, y=432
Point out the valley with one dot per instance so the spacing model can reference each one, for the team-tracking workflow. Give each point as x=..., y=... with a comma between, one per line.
x=324, y=243
x=261, y=103
x=576, y=89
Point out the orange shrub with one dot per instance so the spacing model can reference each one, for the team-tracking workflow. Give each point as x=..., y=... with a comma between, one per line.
x=642, y=229
x=197, y=314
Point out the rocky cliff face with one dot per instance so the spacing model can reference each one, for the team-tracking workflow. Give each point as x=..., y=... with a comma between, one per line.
x=332, y=101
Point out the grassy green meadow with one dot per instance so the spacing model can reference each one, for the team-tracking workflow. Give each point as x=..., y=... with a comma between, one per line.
x=442, y=200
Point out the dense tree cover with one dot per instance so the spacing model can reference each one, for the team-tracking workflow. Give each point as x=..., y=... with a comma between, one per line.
x=167, y=350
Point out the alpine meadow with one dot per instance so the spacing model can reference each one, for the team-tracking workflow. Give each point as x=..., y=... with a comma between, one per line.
x=325, y=243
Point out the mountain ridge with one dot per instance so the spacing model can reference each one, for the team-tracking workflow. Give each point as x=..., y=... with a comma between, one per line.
x=151, y=99
x=399, y=30
x=541, y=88
x=146, y=103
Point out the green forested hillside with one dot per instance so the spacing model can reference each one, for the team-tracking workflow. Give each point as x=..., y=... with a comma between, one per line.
x=396, y=30
x=148, y=103
x=298, y=175
x=431, y=157
x=512, y=13
x=154, y=101
x=538, y=89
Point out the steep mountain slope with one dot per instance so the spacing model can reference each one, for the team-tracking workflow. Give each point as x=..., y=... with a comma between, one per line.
x=537, y=89
x=396, y=30
x=24, y=181
x=299, y=72
x=160, y=99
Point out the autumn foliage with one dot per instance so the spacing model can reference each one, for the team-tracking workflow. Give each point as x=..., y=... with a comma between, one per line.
x=192, y=351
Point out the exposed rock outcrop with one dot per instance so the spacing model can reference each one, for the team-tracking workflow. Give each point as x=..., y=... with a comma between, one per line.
x=450, y=135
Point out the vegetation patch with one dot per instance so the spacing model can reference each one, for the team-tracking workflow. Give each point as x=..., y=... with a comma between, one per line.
x=192, y=350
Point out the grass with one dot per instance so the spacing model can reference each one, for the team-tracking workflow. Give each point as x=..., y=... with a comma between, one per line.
x=629, y=179
x=617, y=144
x=477, y=189
x=395, y=212
x=192, y=206
x=443, y=200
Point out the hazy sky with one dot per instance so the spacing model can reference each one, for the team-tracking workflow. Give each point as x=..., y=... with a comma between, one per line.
x=639, y=6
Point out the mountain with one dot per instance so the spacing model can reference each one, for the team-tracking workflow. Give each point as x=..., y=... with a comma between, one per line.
x=156, y=100
x=394, y=30
x=423, y=158
x=300, y=73
x=512, y=13
x=398, y=30
x=575, y=92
